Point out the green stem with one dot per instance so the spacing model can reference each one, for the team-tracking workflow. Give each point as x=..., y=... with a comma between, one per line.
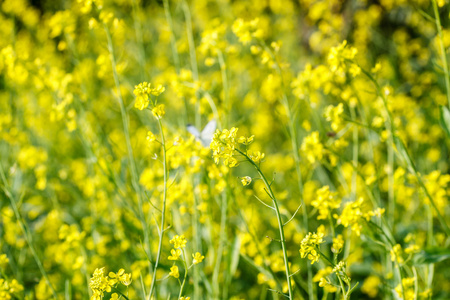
x=185, y=274
x=410, y=162
x=163, y=212
x=442, y=49
x=222, y=239
x=26, y=232
x=173, y=43
x=126, y=129
x=280, y=222
x=295, y=150
x=223, y=72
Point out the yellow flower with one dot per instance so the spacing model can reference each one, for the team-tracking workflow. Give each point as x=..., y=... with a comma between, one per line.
x=185, y=298
x=175, y=254
x=178, y=241
x=197, y=258
x=114, y=296
x=223, y=145
x=333, y=114
x=371, y=286
x=99, y=284
x=4, y=260
x=151, y=137
x=257, y=156
x=158, y=90
x=338, y=244
x=325, y=202
x=309, y=246
x=245, y=140
x=338, y=56
x=158, y=111
x=407, y=287
x=174, y=272
x=247, y=30
x=312, y=148
x=396, y=253
x=246, y=180
x=142, y=91
x=354, y=214
x=121, y=276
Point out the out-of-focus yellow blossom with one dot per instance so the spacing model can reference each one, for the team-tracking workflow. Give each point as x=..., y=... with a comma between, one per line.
x=325, y=201
x=338, y=244
x=321, y=277
x=175, y=254
x=371, y=286
x=247, y=30
x=142, y=92
x=246, y=140
x=197, y=258
x=124, y=278
x=333, y=114
x=257, y=156
x=408, y=289
x=354, y=213
x=312, y=148
x=4, y=260
x=178, y=241
x=150, y=137
x=159, y=111
x=396, y=254
x=246, y=180
x=174, y=272
x=158, y=90
x=412, y=249
x=339, y=56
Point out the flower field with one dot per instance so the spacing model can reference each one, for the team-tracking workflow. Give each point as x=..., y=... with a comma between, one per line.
x=218, y=149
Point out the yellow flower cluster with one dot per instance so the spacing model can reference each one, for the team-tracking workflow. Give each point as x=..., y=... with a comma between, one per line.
x=100, y=283
x=333, y=114
x=354, y=214
x=339, y=57
x=408, y=289
x=325, y=201
x=309, y=247
x=10, y=289
x=142, y=91
x=312, y=148
x=247, y=30
x=178, y=241
x=321, y=278
x=223, y=146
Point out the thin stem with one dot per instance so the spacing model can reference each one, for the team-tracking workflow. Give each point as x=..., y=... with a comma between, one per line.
x=410, y=162
x=193, y=57
x=163, y=214
x=222, y=239
x=26, y=232
x=280, y=223
x=185, y=274
x=173, y=43
x=295, y=150
x=126, y=129
x=442, y=50
x=223, y=72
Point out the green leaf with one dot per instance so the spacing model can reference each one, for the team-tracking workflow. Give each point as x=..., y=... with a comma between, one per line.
x=445, y=119
x=401, y=149
x=431, y=256
x=235, y=255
